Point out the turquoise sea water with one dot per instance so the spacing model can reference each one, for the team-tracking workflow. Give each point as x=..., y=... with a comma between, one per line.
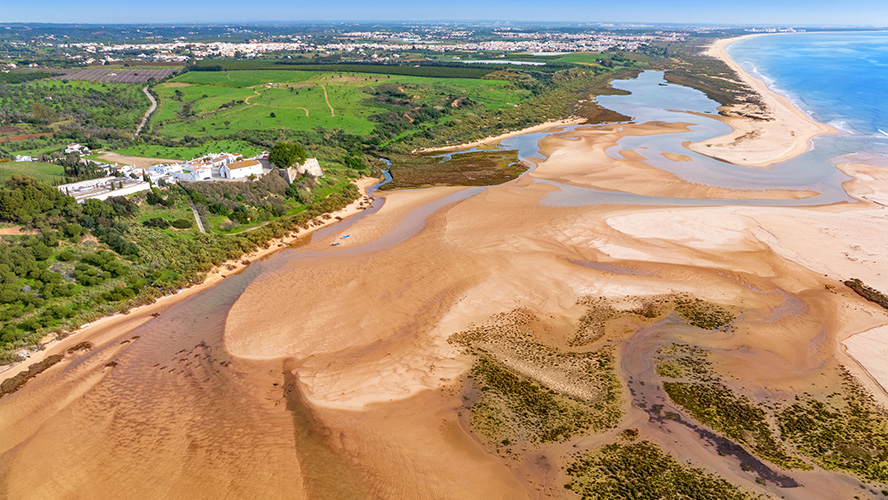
x=838, y=78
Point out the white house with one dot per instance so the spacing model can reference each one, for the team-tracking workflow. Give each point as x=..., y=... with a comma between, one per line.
x=167, y=169
x=76, y=148
x=120, y=169
x=23, y=158
x=241, y=169
x=223, y=159
x=201, y=173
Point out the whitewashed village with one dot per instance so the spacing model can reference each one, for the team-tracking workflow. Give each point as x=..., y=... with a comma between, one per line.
x=122, y=180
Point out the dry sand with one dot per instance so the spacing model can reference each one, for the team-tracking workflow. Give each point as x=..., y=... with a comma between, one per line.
x=136, y=161
x=784, y=132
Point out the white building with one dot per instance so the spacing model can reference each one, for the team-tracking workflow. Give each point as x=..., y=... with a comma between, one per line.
x=167, y=169
x=241, y=169
x=223, y=159
x=23, y=158
x=120, y=169
x=77, y=148
x=102, y=189
x=202, y=173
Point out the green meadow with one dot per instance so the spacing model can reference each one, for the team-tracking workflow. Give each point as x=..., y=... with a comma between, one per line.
x=214, y=103
x=46, y=172
x=189, y=152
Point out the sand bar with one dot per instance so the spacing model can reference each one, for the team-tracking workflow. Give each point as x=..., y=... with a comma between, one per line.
x=497, y=138
x=785, y=134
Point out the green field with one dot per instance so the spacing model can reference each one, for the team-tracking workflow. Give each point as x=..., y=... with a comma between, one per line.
x=46, y=172
x=221, y=103
x=187, y=153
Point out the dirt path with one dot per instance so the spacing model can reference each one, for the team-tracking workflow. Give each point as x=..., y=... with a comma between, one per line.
x=135, y=161
x=332, y=113
x=147, y=113
x=248, y=103
x=247, y=100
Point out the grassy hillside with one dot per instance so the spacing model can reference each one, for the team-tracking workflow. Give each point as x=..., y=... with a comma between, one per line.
x=221, y=103
x=46, y=172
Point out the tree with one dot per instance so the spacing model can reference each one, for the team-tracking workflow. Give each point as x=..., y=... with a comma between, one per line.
x=272, y=115
x=284, y=154
x=42, y=111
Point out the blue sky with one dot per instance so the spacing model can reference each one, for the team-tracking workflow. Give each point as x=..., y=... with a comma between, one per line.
x=821, y=12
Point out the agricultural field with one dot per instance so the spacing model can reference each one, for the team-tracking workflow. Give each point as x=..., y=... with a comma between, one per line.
x=116, y=75
x=73, y=111
x=221, y=103
x=46, y=172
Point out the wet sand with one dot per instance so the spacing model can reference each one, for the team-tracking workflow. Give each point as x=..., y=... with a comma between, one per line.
x=326, y=372
x=579, y=157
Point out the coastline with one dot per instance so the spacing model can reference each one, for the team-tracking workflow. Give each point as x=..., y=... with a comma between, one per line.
x=143, y=313
x=759, y=143
x=497, y=138
x=361, y=337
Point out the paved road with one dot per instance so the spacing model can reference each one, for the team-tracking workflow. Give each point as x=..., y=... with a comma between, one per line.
x=147, y=113
x=197, y=217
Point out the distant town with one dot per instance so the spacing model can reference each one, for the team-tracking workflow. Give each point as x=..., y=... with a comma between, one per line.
x=348, y=45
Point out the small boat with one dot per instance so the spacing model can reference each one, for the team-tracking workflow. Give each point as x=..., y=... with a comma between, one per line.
x=334, y=244
x=346, y=236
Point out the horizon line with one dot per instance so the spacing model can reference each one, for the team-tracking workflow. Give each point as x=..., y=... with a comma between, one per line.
x=628, y=24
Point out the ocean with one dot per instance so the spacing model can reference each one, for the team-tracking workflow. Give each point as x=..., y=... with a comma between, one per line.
x=837, y=78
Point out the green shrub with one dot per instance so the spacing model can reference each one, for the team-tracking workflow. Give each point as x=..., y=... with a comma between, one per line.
x=182, y=223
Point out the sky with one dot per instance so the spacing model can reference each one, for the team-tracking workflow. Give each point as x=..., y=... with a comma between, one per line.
x=795, y=12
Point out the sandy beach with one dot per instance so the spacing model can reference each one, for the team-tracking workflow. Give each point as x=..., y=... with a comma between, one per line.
x=779, y=131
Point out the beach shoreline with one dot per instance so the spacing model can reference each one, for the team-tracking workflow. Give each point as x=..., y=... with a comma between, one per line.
x=759, y=143
x=140, y=314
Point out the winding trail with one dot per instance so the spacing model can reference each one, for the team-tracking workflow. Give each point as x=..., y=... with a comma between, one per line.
x=332, y=113
x=248, y=103
x=147, y=113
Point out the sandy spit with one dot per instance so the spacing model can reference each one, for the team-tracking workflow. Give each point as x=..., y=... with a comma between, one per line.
x=785, y=134
x=487, y=141
x=579, y=157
